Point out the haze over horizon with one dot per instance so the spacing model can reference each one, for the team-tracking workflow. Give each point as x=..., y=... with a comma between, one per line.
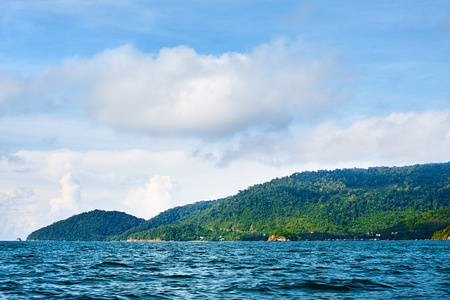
x=142, y=106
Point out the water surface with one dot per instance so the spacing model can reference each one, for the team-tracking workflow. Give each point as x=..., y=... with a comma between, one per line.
x=225, y=270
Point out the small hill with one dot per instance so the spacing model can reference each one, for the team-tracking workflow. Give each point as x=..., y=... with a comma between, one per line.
x=97, y=225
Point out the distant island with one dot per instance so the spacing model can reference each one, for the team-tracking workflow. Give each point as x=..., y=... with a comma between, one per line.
x=380, y=203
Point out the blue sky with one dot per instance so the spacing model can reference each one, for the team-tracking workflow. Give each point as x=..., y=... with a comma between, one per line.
x=140, y=106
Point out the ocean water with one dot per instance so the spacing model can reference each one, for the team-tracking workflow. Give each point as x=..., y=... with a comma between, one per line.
x=225, y=270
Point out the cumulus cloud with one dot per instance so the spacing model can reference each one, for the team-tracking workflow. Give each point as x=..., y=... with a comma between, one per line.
x=154, y=197
x=70, y=196
x=179, y=92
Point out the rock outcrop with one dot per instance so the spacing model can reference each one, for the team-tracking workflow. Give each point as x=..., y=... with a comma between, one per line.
x=274, y=238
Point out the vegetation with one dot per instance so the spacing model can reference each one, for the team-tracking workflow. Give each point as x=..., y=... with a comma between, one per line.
x=97, y=225
x=443, y=234
x=411, y=202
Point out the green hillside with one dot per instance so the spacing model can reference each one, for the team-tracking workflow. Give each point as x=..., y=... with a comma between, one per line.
x=97, y=225
x=344, y=203
x=411, y=202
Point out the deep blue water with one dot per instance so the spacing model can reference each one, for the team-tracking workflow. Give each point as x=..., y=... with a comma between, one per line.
x=225, y=270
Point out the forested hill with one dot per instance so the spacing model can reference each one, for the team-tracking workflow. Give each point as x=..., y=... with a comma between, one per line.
x=381, y=202
x=97, y=225
x=411, y=202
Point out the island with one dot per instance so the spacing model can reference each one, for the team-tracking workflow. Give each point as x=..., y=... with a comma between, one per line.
x=378, y=203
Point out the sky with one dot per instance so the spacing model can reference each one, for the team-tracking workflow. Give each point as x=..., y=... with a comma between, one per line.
x=140, y=106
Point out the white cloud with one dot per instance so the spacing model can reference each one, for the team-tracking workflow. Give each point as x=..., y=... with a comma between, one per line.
x=179, y=92
x=68, y=201
x=155, y=197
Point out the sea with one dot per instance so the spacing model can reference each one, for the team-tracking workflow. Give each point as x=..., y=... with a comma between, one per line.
x=225, y=270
